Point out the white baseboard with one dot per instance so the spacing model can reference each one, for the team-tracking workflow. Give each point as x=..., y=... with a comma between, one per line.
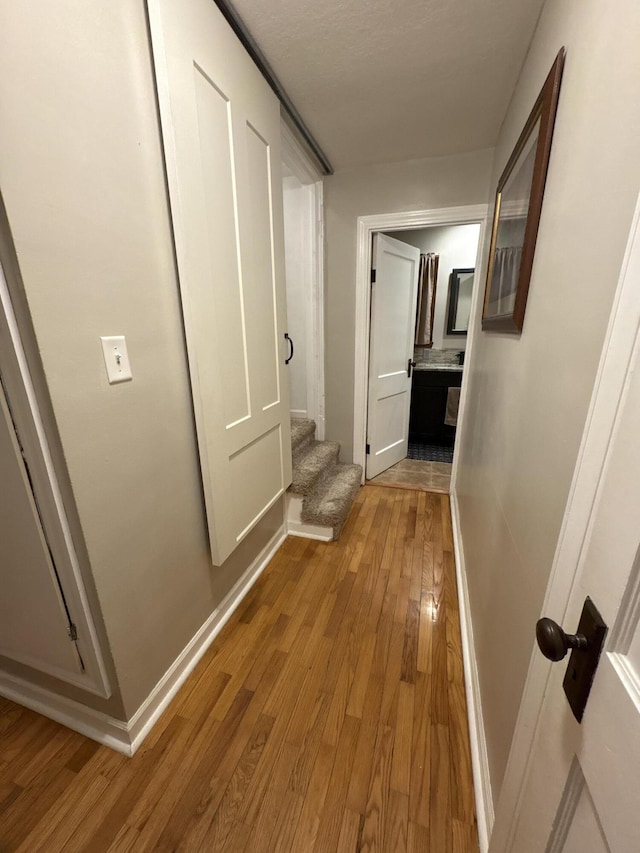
x=479, y=758
x=93, y=724
x=311, y=531
x=297, y=527
x=298, y=413
x=126, y=737
x=148, y=713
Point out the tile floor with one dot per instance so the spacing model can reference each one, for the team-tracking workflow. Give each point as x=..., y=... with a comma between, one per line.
x=415, y=474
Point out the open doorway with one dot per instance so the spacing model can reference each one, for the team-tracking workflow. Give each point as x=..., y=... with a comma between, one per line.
x=437, y=343
x=441, y=320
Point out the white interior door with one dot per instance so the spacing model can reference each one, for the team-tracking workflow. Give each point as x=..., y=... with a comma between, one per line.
x=221, y=131
x=393, y=317
x=582, y=781
x=34, y=628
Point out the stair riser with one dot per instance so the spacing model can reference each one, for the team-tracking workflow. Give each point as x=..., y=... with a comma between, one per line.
x=303, y=432
x=307, y=479
x=299, y=449
x=342, y=483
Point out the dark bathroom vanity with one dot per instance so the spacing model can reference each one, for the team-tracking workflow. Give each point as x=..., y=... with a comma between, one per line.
x=429, y=391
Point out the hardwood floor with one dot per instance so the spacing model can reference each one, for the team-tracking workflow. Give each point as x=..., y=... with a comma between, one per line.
x=329, y=715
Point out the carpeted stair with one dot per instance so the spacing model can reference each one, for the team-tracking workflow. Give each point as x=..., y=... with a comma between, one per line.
x=326, y=487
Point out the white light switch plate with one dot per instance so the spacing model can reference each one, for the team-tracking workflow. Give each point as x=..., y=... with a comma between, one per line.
x=116, y=359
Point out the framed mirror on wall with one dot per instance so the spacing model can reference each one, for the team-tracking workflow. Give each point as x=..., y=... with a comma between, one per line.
x=460, y=292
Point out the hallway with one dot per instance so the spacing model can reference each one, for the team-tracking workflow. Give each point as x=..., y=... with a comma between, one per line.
x=328, y=715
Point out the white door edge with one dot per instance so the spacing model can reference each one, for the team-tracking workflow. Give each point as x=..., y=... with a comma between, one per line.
x=611, y=378
x=34, y=429
x=367, y=226
x=298, y=162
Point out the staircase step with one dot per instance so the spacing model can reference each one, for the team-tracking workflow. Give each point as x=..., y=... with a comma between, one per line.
x=312, y=463
x=303, y=432
x=330, y=503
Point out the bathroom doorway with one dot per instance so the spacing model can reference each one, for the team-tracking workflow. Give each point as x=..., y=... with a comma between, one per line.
x=448, y=259
x=442, y=319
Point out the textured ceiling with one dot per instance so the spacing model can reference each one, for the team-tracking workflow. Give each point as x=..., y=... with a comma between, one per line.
x=387, y=81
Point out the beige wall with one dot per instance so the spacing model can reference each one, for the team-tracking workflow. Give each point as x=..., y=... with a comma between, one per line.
x=529, y=394
x=389, y=188
x=82, y=177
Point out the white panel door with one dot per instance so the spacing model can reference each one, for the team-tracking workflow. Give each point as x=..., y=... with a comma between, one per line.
x=393, y=318
x=221, y=130
x=34, y=628
x=583, y=788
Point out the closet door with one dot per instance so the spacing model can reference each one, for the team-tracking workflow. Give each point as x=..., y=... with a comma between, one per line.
x=34, y=625
x=221, y=131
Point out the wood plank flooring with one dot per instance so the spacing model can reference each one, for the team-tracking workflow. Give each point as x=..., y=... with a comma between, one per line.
x=329, y=715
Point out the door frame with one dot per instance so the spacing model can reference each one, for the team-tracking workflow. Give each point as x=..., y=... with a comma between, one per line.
x=296, y=159
x=26, y=394
x=405, y=221
x=621, y=339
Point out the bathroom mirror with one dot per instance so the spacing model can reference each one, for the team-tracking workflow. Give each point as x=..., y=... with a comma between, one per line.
x=460, y=290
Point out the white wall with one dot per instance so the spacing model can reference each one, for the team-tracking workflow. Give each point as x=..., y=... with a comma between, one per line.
x=81, y=172
x=457, y=246
x=529, y=394
x=389, y=188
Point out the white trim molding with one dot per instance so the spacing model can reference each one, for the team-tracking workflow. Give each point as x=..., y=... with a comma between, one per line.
x=127, y=737
x=297, y=163
x=295, y=157
x=477, y=738
x=367, y=226
x=93, y=724
x=315, y=359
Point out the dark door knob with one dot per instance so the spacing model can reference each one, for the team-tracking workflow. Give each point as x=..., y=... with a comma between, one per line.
x=553, y=642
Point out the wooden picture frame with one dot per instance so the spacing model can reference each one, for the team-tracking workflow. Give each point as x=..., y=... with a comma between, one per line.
x=517, y=212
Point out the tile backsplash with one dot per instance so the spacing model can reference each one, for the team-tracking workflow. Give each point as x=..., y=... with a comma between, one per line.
x=436, y=356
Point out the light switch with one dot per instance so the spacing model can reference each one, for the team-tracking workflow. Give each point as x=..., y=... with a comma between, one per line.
x=116, y=359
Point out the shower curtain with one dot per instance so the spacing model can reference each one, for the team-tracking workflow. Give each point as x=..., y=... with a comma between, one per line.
x=427, y=278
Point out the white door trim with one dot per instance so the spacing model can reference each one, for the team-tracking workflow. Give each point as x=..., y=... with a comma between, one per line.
x=620, y=341
x=33, y=435
x=367, y=225
x=315, y=357
x=295, y=158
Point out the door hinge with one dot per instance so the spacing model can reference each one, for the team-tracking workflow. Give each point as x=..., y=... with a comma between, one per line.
x=368, y=449
x=73, y=632
x=373, y=276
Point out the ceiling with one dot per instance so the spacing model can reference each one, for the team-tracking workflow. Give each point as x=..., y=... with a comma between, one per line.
x=388, y=81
